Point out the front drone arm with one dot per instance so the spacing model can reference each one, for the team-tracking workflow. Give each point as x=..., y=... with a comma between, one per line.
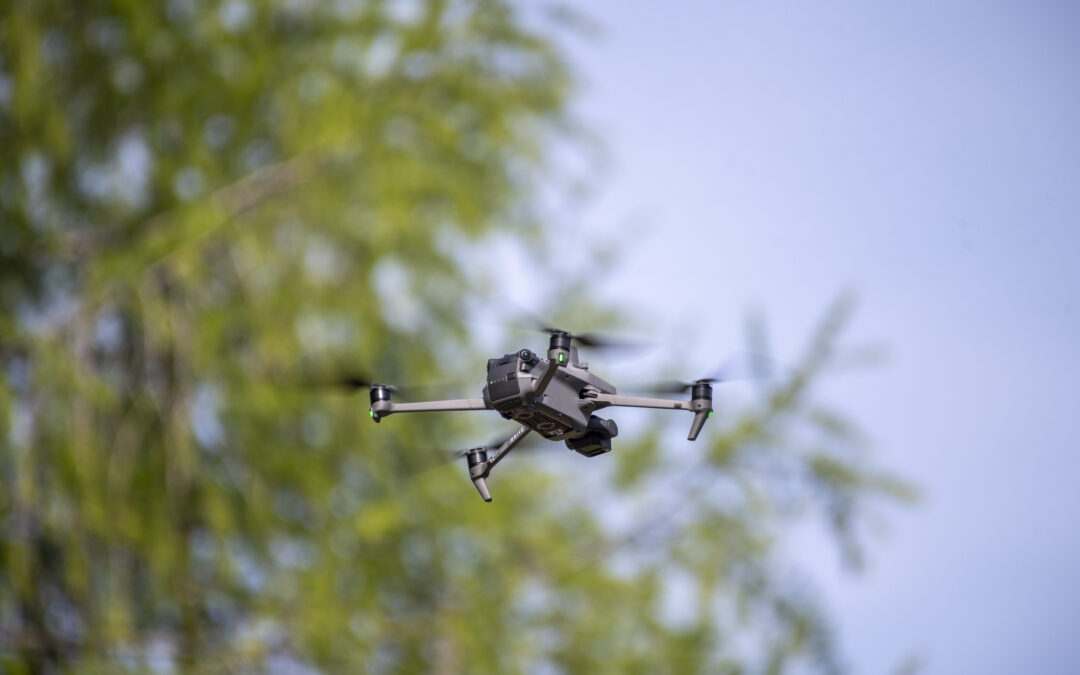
x=381, y=407
x=559, y=354
x=700, y=404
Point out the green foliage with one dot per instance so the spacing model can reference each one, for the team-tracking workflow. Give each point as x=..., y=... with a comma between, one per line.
x=207, y=206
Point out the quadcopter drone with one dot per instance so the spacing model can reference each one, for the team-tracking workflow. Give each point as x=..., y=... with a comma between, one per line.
x=555, y=397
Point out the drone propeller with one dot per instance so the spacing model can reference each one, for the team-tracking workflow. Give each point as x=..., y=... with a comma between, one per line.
x=672, y=386
x=735, y=369
x=350, y=382
x=594, y=340
x=493, y=445
x=417, y=463
x=528, y=444
x=441, y=457
x=528, y=321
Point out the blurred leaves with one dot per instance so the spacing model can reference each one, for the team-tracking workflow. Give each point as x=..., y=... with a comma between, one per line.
x=201, y=202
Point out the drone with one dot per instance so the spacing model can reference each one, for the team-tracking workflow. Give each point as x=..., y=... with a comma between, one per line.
x=556, y=397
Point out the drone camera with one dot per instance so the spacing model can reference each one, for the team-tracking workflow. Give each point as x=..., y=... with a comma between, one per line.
x=598, y=440
x=590, y=445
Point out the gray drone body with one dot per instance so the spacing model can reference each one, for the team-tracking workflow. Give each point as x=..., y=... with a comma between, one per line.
x=556, y=397
x=563, y=412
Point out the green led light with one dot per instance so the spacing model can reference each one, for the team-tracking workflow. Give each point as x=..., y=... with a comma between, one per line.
x=710, y=413
x=561, y=357
x=371, y=414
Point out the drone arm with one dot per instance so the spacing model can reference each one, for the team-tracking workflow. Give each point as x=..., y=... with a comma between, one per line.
x=382, y=408
x=437, y=406
x=560, y=352
x=700, y=405
x=545, y=379
x=480, y=465
x=507, y=446
x=640, y=402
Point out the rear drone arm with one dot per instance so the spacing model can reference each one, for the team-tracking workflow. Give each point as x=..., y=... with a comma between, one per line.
x=700, y=405
x=480, y=465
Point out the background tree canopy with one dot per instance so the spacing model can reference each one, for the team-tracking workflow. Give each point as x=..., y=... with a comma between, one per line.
x=208, y=207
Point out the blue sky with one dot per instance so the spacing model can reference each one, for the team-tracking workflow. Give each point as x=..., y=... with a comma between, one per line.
x=926, y=156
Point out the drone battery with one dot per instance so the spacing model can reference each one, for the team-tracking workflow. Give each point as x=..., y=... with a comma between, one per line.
x=506, y=390
x=508, y=382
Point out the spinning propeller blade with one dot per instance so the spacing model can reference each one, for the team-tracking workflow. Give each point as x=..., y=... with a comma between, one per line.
x=596, y=340
x=493, y=445
x=421, y=460
x=527, y=321
x=741, y=365
x=350, y=382
x=526, y=445
x=354, y=382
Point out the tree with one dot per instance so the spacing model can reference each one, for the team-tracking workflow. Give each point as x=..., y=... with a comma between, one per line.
x=207, y=208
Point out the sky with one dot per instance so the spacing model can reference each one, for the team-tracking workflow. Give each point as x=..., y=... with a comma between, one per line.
x=925, y=156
